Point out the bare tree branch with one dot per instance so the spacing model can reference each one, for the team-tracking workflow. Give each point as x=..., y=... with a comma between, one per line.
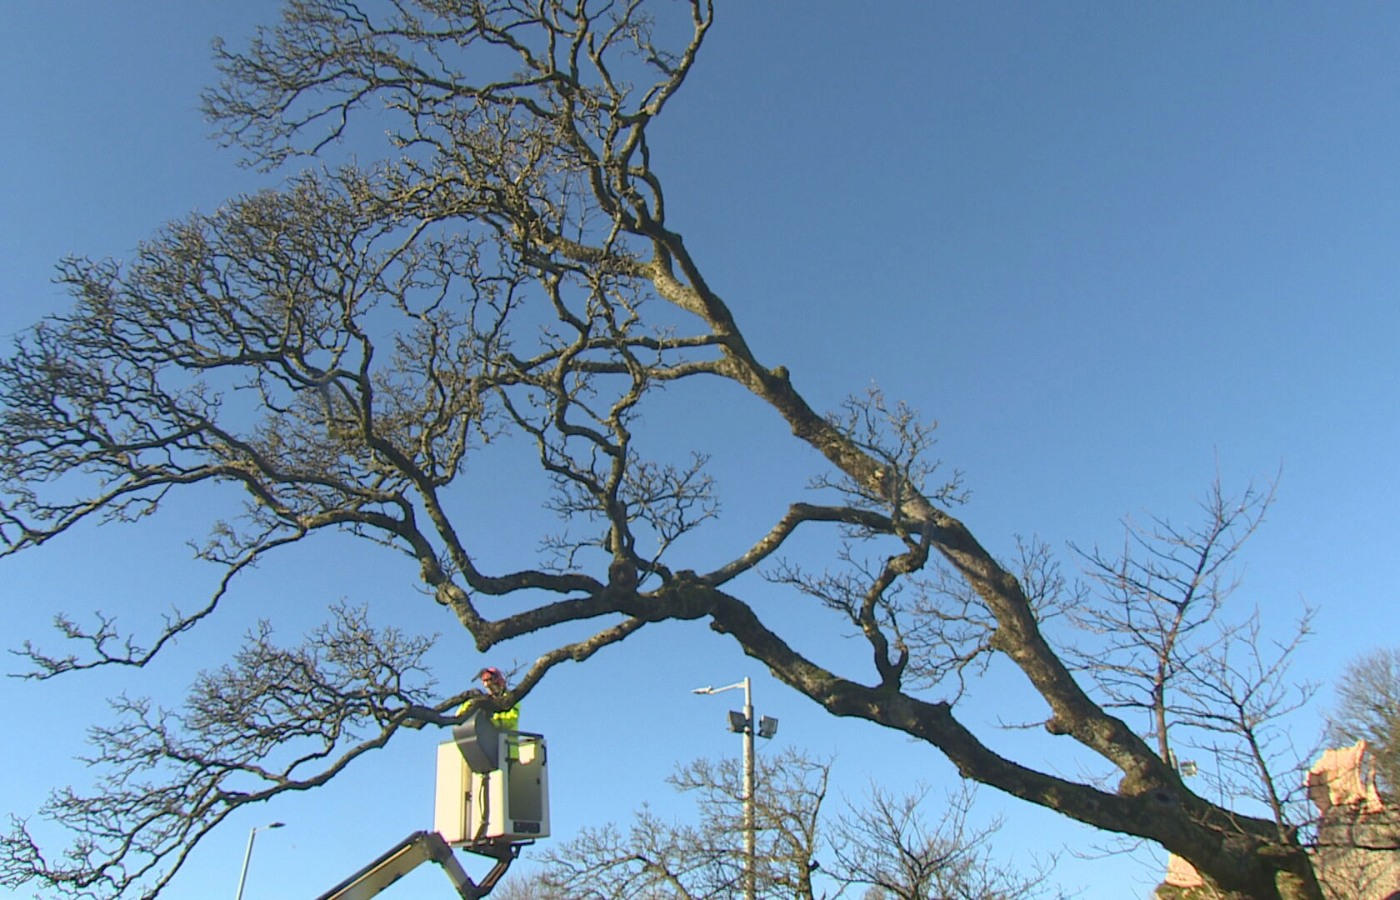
x=277, y=719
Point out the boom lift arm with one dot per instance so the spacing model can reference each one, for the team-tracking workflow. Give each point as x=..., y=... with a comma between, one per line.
x=412, y=852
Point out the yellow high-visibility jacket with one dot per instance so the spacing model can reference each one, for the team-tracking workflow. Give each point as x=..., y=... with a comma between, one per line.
x=505, y=720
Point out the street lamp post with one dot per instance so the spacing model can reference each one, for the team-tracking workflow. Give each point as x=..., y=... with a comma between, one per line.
x=252, y=835
x=744, y=724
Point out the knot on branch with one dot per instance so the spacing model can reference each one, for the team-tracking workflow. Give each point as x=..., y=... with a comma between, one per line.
x=622, y=576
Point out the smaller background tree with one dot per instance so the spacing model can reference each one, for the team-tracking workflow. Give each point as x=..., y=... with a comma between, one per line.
x=1358, y=843
x=883, y=843
x=886, y=844
x=1368, y=708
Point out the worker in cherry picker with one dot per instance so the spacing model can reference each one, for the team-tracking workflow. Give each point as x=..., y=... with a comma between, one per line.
x=494, y=683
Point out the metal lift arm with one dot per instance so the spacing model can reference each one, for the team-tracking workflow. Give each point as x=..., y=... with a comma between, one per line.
x=412, y=852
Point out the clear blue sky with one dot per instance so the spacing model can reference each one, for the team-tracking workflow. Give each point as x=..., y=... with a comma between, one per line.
x=1113, y=248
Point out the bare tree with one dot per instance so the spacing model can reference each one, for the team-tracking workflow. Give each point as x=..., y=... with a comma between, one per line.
x=888, y=845
x=656, y=858
x=1357, y=842
x=791, y=790
x=1368, y=708
x=338, y=350
x=804, y=854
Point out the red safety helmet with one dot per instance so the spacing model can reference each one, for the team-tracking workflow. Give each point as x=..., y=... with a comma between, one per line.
x=492, y=673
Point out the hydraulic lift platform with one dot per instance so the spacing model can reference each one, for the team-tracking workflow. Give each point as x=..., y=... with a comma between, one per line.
x=492, y=799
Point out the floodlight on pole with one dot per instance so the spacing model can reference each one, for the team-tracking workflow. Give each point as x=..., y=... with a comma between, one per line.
x=248, y=855
x=743, y=723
